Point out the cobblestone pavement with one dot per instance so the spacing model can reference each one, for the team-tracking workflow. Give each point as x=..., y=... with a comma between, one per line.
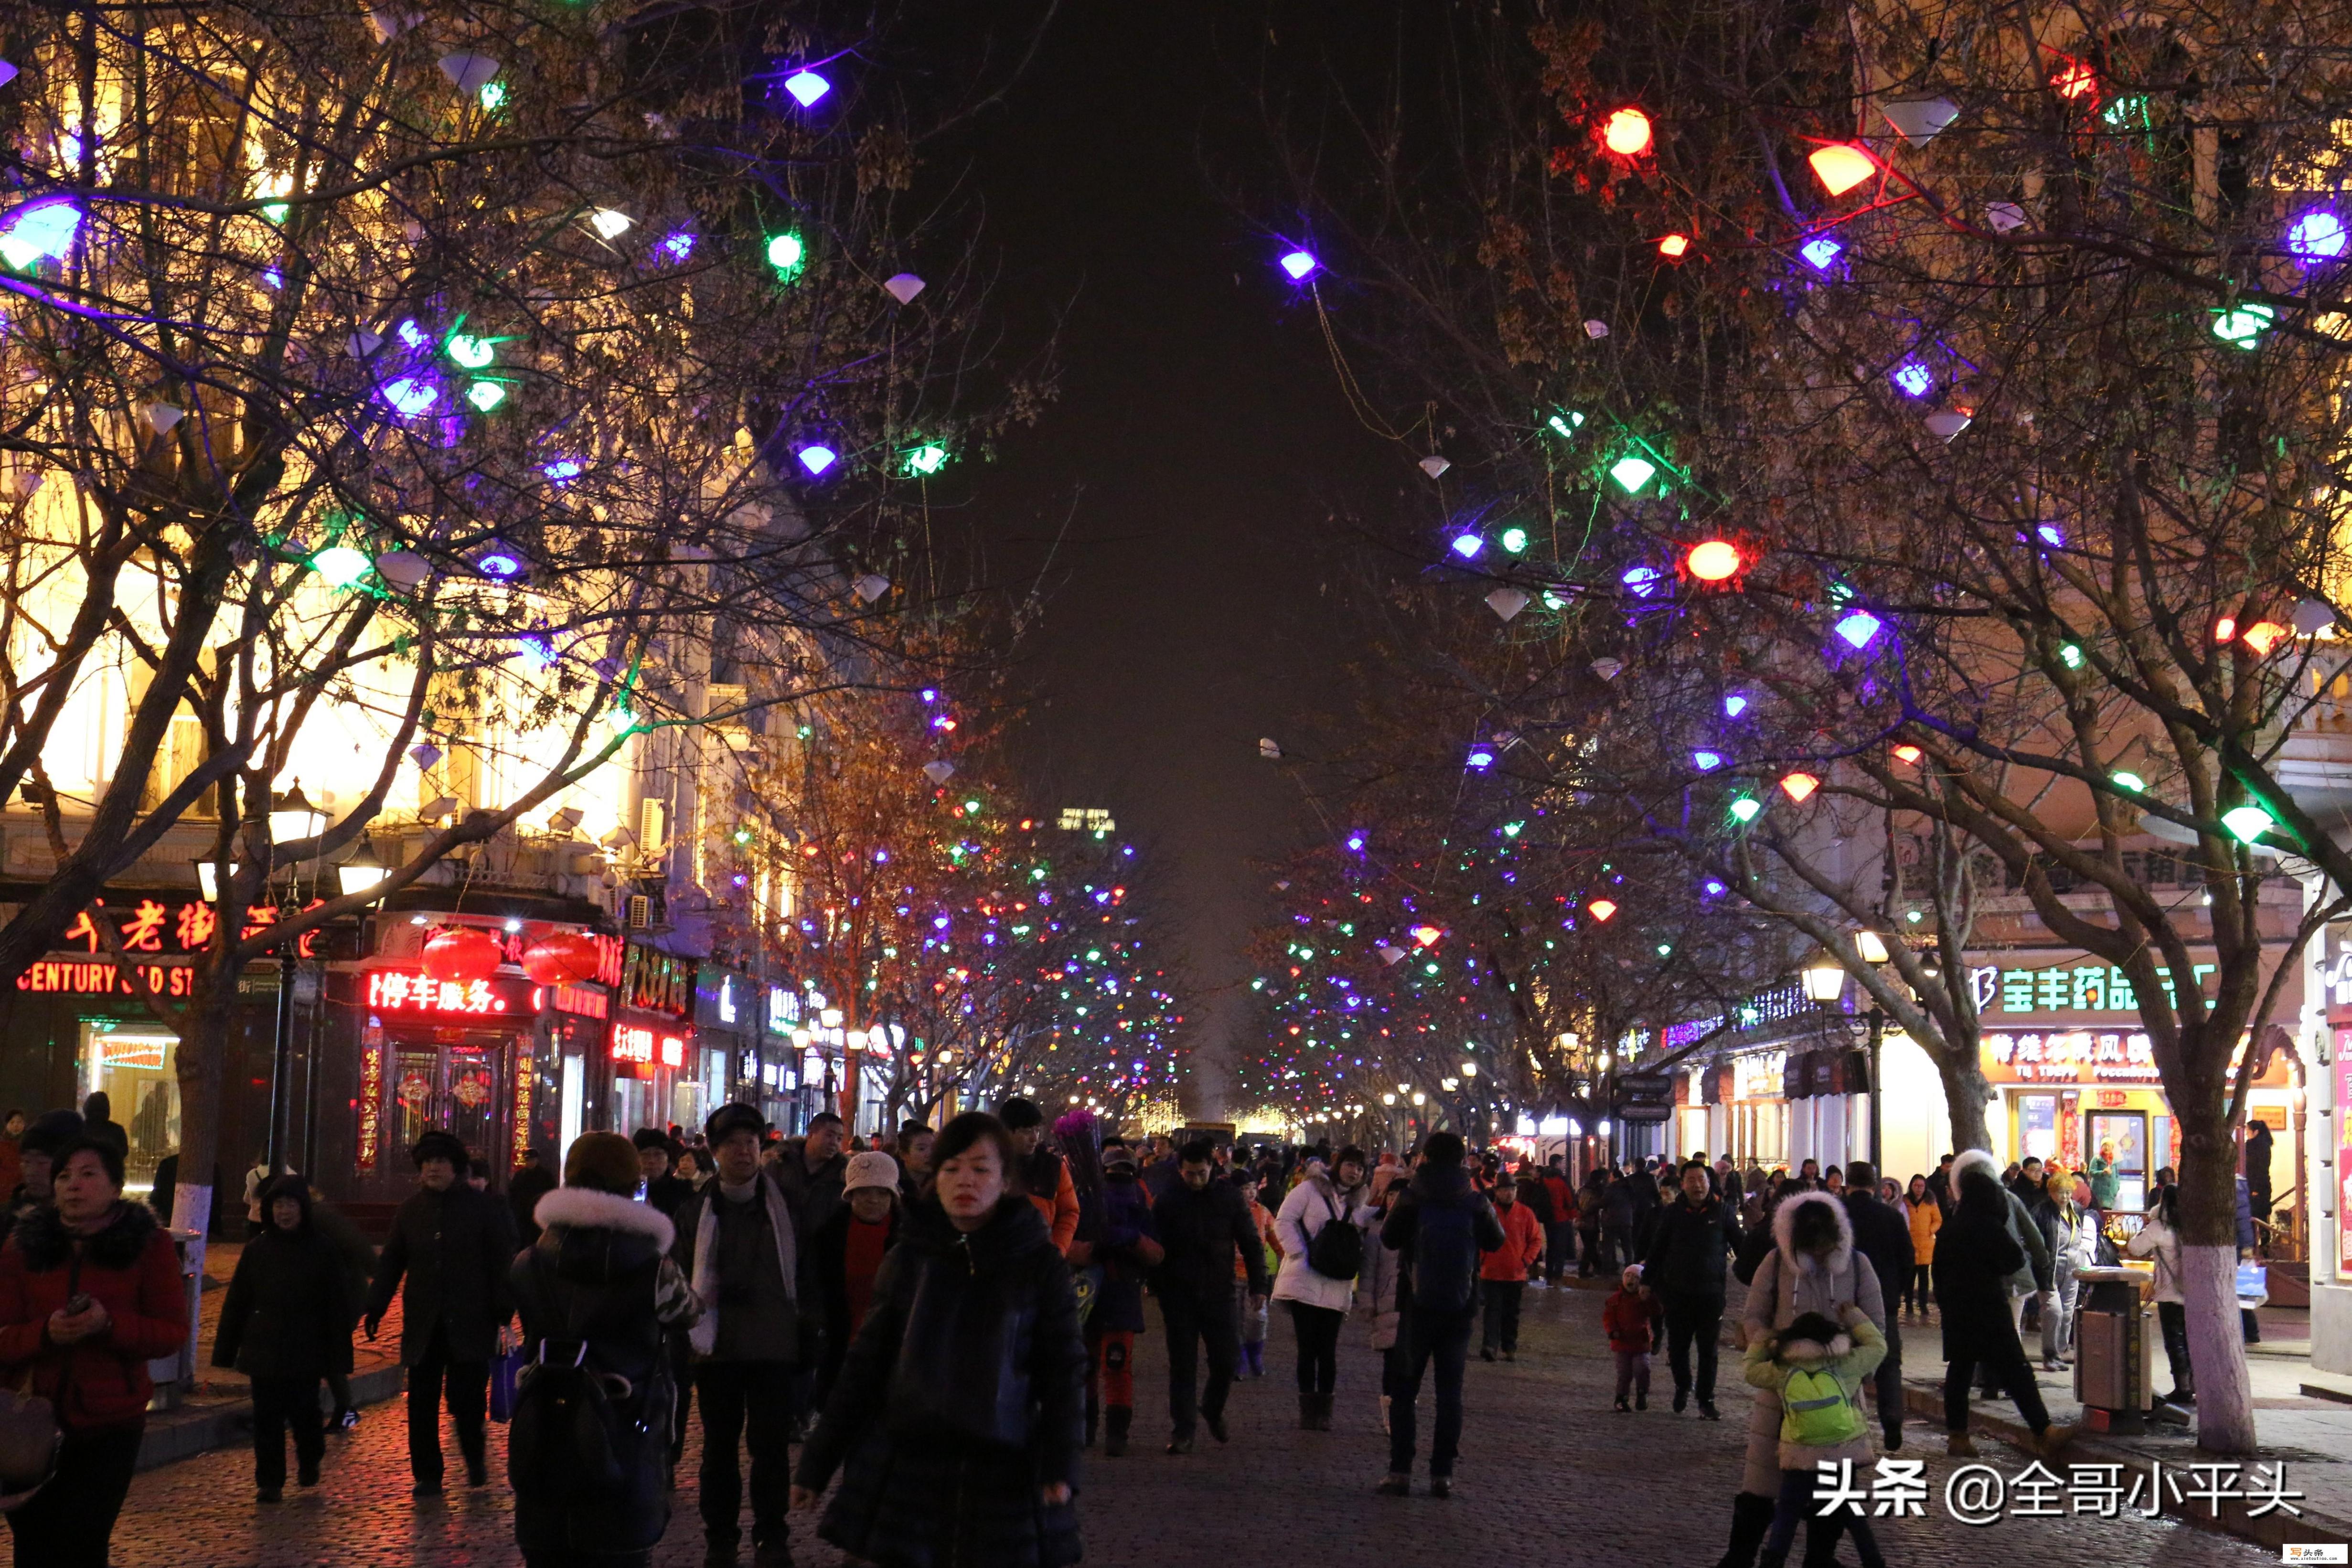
x=1548, y=1473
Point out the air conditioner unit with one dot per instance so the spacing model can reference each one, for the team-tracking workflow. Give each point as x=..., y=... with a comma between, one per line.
x=640, y=912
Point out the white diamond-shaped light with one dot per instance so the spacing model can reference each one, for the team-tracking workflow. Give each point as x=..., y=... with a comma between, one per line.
x=1507, y=602
x=2004, y=216
x=938, y=772
x=469, y=73
x=1918, y=120
x=1435, y=465
x=1947, y=425
x=904, y=287
x=164, y=416
x=871, y=587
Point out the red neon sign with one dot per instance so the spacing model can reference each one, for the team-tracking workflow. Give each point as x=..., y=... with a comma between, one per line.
x=635, y=1042
x=410, y=990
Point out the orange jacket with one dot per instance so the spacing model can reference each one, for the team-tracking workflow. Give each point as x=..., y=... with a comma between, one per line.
x=1926, y=1219
x=1522, y=1244
x=1061, y=1210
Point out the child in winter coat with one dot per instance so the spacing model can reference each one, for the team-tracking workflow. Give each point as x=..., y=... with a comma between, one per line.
x=846, y=1252
x=1503, y=1273
x=1630, y=1317
x=1817, y=1368
x=1252, y=1321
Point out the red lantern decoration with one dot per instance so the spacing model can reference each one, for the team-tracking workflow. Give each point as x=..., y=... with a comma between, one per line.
x=462, y=953
x=565, y=959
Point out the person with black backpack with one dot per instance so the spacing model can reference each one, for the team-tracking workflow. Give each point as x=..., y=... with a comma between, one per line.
x=1320, y=1224
x=1439, y=1228
x=588, y=1451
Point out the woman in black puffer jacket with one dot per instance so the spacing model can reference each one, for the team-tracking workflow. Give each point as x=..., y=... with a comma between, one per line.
x=286, y=1324
x=959, y=1413
x=596, y=1291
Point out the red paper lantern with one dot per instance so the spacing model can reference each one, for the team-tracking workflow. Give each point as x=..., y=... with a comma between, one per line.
x=462, y=953
x=565, y=959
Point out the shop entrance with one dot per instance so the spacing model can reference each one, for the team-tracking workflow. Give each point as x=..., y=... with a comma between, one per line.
x=2128, y=1131
x=136, y=1068
x=452, y=1085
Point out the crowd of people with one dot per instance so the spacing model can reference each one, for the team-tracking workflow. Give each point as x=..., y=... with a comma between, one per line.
x=945, y=1319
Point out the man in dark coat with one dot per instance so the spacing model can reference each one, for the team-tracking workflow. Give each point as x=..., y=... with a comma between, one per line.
x=1883, y=1237
x=1438, y=1228
x=447, y=1256
x=664, y=1190
x=1202, y=1222
x=531, y=1182
x=1695, y=1237
x=2258, y=1182
x=739, y=1244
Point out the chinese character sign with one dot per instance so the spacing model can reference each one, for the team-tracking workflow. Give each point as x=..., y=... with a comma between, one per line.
x=412, y=991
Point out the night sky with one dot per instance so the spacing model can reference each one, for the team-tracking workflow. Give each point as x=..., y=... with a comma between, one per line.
x=1198, y=450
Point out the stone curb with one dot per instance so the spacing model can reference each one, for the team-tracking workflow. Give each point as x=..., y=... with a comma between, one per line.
x=2272, y=1531
x=183, y=1434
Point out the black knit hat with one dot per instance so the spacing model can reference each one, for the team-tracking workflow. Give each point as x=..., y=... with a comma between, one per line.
x=439, y=1145
x=729, y=1119
x=52, y=1131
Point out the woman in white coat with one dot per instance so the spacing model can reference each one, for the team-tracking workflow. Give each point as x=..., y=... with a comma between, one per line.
x=1319, y=1302
x=1813, y=1268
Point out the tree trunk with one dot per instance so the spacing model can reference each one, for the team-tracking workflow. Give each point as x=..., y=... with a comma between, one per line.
x=2208, y=1267
x=1965, y=1094
x=202, y=1049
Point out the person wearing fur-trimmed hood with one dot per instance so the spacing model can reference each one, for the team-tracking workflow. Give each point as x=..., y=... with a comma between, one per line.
x=597, y=1290
x=1814, y=1369
x=1812, y=1268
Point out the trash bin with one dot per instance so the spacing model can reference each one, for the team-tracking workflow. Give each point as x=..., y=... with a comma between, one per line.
x=175, y=1375
x=2115, y=1339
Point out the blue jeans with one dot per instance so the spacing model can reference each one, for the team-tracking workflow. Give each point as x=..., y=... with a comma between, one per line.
x=1422, y=1338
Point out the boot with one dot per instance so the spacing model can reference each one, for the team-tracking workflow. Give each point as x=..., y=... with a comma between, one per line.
x=2052, y=1441
x=1115, y=1431
x=1323, y=1412
x=1959, y=1446
x=1822, y=1538
x=1306, y=1402
x=1751, y=1520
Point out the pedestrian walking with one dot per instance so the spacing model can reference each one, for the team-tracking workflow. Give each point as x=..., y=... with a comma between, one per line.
x=1250, y=1312
x=1925, y=1218
x=1201, y=1225
x=1129, y=1251
x=1503, y=1272
x=90, y=1293
x=738, y=1243
x=97, y=1122
x=2158, y=1240
x=1376, y=1286
x=1695, y=1240
x=598, y=1295
x=531, y=1181
x=356, y=1254
x=846, y=1256
x=1041, y=1174
x=1318, y=1277
x=915, y=1141
x=285, y=1323
x=1881, y=1235
x=2107, y=1181
x=1559, y=1231
x=1812, y=1266
x=956, y=1420
x=1632, y=1318
x=1441, y=1226
x=446, y=1258
x=1590, y=1198
x=2071, y=1229
x=1977, y=1255
x=663, y=1189
x=2258, y=1182
x=1814, y=1370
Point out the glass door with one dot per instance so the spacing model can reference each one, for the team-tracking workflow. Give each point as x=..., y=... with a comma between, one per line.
x=2037, y=1127
x=471, y=1084
x=137, y=1070
x=2126, y=1132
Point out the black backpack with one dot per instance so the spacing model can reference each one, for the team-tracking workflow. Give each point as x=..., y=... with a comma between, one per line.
x=1337, y=1251
x=1446, y=1256
x=568, y=1437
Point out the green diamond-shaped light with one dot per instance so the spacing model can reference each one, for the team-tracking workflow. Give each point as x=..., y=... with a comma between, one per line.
x=1745, y=808
x=1631, y=473
x=786, y=254
x=2243, y=325
x=927, y=459
x=2249, y=822
x=339, y=566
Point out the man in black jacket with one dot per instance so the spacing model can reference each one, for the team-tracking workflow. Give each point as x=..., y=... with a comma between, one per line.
x=450, y=1247
x=1883, y=1237
x=1439, y=1229
x=1694, y=1235
x=1201, y=1223
x=664, y=1190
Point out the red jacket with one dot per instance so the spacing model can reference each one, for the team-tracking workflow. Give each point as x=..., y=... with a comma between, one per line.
x=131, y=1267
x=1522, y=1244
x=1563, y=1199
x=1631, y=1320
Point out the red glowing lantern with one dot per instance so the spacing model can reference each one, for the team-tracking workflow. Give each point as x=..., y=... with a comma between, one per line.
x=1713, y=561
x=1840, y=166
x=1673, y=246
x=1626, y=133
x=462, y=953
x=565, y=959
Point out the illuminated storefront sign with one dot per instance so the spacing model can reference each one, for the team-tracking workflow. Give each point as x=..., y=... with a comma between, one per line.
x=656, y=982
x=646, y=1046
x=181, y=926
x=371, y=1104
x=2066, y=989
x=2070, y=1056
x=99, y=978
x=412, y=991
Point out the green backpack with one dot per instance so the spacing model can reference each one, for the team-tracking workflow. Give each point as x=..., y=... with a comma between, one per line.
x=1815, y=1411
